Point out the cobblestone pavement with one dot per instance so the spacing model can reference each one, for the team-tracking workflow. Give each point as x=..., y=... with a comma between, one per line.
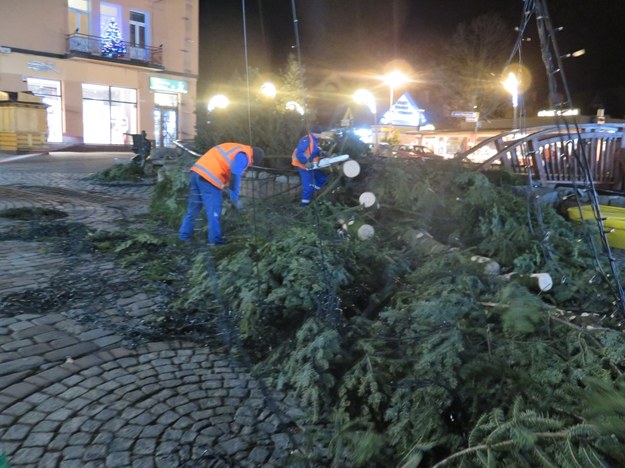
x=74, y=391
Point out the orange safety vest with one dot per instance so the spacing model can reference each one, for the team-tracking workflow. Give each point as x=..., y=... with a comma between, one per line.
x=216, y=164
x=311, y=147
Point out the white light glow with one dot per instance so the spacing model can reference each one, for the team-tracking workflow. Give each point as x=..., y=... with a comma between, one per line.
x=294, y=106
x=362, y=96
x=218, y=101
x=511, y=84
x=552, y=112
x=268, y=89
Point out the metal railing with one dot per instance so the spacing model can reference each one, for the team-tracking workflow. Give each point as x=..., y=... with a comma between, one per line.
x=561, y=155
x=91, y=46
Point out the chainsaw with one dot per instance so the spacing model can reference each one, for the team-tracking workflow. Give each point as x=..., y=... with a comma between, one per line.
x=325, y=162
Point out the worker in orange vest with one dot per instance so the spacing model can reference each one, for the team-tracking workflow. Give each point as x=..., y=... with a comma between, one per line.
x=304, y=157
x=209, y=176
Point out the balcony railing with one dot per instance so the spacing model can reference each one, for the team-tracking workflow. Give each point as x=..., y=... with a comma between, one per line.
x=85, y=45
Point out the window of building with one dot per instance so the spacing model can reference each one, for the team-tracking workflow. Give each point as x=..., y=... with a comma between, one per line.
x=108, y=12
x=108, y=114
x=137, y=29
x=50, y=91
x=78, y=16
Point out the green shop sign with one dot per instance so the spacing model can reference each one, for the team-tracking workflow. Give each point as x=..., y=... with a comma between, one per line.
x=172, y=86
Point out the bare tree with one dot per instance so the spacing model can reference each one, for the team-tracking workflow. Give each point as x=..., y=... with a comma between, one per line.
x=471, y=66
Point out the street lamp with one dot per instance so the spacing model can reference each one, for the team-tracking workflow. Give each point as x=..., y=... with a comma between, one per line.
x=268, y=89
x=219, y=101
x=511, y=84
x=394, y=79
x=362, y=96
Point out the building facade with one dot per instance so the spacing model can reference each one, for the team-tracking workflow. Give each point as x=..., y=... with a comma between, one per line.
x=104, y=68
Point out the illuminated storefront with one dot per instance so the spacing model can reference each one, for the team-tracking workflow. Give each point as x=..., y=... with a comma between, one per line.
x=50, y=91
x=109, y=113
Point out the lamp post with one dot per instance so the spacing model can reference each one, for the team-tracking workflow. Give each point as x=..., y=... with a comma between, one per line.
x=362, y=96
x=511, y=84
x=394, y=79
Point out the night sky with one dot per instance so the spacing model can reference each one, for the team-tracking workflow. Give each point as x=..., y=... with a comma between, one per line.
x=331, y=38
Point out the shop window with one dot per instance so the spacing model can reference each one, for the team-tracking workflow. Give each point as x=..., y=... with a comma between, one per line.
x=108, y=114
x=50, y=91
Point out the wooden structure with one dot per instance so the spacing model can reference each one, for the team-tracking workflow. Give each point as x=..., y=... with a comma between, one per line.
x=23, y=122
x=560, y=155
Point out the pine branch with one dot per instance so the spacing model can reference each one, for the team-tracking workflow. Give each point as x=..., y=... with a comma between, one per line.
x=505, y=443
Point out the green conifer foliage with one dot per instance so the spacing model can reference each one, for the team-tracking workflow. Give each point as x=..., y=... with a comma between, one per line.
x=415, y=353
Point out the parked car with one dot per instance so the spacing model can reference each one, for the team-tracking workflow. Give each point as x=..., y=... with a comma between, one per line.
x=413, y=151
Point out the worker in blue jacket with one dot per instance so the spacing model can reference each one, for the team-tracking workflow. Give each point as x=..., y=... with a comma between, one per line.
x=304, y=157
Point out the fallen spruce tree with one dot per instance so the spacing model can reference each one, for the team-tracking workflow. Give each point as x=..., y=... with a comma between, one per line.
x=416, y=354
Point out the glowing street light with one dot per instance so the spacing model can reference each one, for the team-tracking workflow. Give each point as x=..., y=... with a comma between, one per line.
x=511, y=84
x=394, y=79
x=268, y=89
x=294, y=106
x=362, y=96
x=219, y=101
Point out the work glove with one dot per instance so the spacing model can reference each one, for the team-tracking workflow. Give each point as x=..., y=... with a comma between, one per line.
x=310, y=165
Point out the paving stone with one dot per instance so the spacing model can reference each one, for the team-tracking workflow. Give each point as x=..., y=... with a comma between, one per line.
x=50, y=336
x=17, y=432
x=109, y=340
x=6, y=420
x=83, y=363
x=56, y=389
x=15, y=345
x=49, y=459
x=38, y=439
x=33, y=417
x=20, y=390
x=121, y=444
x=73, y=451
x=117, y=459
x=24, y=456
x=73, y=350
x=18, y=409
x=51, y=404
x=55, y=374
x=20, y=364
x=46, y=426
x=95, y=452
x=17, y=326
x=60, y=415
x=33, y=330
x=144, y=446
x=34, y=349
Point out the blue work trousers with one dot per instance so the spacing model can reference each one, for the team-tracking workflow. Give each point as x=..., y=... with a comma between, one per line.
x=311, y=181
x=202, y=194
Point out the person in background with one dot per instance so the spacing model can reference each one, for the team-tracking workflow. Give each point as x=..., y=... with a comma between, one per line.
x=304, y=157
x=220, y=166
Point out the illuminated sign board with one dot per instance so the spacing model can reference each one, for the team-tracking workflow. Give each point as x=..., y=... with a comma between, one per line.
x=171, y=86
